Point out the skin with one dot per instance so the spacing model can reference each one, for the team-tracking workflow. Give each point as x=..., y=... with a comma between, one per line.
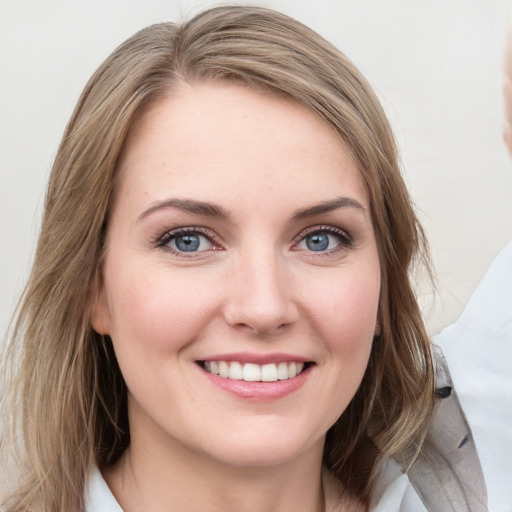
x=254, y=286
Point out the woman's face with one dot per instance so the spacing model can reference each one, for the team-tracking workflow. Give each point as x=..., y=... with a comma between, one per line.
x=240, y=252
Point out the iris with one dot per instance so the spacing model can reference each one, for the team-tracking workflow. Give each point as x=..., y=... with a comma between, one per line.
x=317, y=241
x=187, y=243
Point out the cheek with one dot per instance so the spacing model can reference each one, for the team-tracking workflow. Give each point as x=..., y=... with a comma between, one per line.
x=345, y=321
x=347, y=309
x=343, y=315
x=157, y=311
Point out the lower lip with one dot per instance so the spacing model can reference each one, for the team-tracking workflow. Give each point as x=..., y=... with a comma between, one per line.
x=262, y=391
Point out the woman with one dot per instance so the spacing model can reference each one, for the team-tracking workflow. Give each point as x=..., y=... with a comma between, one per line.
x=219, y=315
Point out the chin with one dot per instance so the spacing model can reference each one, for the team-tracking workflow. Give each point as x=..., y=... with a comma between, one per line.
x=263, y=449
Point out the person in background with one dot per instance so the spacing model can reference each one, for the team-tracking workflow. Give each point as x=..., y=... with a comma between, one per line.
x=478, y=348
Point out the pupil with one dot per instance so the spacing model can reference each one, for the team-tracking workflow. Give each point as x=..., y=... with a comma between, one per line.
x=187, y=243
x=317, y=242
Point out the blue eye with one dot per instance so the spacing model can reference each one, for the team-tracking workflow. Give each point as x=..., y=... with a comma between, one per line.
x=187, y=243
x=317, y=241
x=324, y=239
x=186, y=240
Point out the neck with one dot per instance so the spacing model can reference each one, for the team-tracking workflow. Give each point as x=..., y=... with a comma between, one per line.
x=159, y=472
x=150, y=480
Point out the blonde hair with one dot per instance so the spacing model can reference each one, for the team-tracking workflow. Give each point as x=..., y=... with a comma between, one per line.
x=69, y=395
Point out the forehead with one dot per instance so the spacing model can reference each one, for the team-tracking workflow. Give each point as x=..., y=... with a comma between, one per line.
x=207, y=133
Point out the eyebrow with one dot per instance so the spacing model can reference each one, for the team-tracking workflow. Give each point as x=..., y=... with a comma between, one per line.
x=328, y=206
x=188, y=205
x=214, y=211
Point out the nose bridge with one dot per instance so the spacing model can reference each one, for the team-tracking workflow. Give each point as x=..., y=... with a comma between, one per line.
x=261, y=295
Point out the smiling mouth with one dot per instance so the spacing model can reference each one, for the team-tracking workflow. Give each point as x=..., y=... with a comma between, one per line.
x=251, y=372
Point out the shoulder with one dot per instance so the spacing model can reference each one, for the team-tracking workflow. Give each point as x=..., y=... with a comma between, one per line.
x=478, y=348
x=392, y=492
x=446, y=474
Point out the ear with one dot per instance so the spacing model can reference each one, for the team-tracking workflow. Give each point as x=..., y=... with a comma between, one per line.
x=100, y=317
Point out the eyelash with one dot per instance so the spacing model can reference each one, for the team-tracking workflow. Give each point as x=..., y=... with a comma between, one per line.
x=176, y=233
x=345, y=241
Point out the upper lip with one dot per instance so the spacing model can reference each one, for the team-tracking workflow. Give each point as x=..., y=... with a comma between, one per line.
x=260, y=359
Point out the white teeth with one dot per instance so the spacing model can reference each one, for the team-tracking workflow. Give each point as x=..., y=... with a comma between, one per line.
x=235, y=371
x=269, y=373
x=251, y=372
x=223, y=369
x=282, y=371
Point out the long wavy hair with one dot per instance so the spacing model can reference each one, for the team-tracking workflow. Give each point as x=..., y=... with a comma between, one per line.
x=64, y=405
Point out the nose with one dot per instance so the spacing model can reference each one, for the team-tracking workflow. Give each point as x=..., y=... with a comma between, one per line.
x=260, y=296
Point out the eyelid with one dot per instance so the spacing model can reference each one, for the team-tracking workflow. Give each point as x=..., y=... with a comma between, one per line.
x=345, y=238
x=163, y=240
